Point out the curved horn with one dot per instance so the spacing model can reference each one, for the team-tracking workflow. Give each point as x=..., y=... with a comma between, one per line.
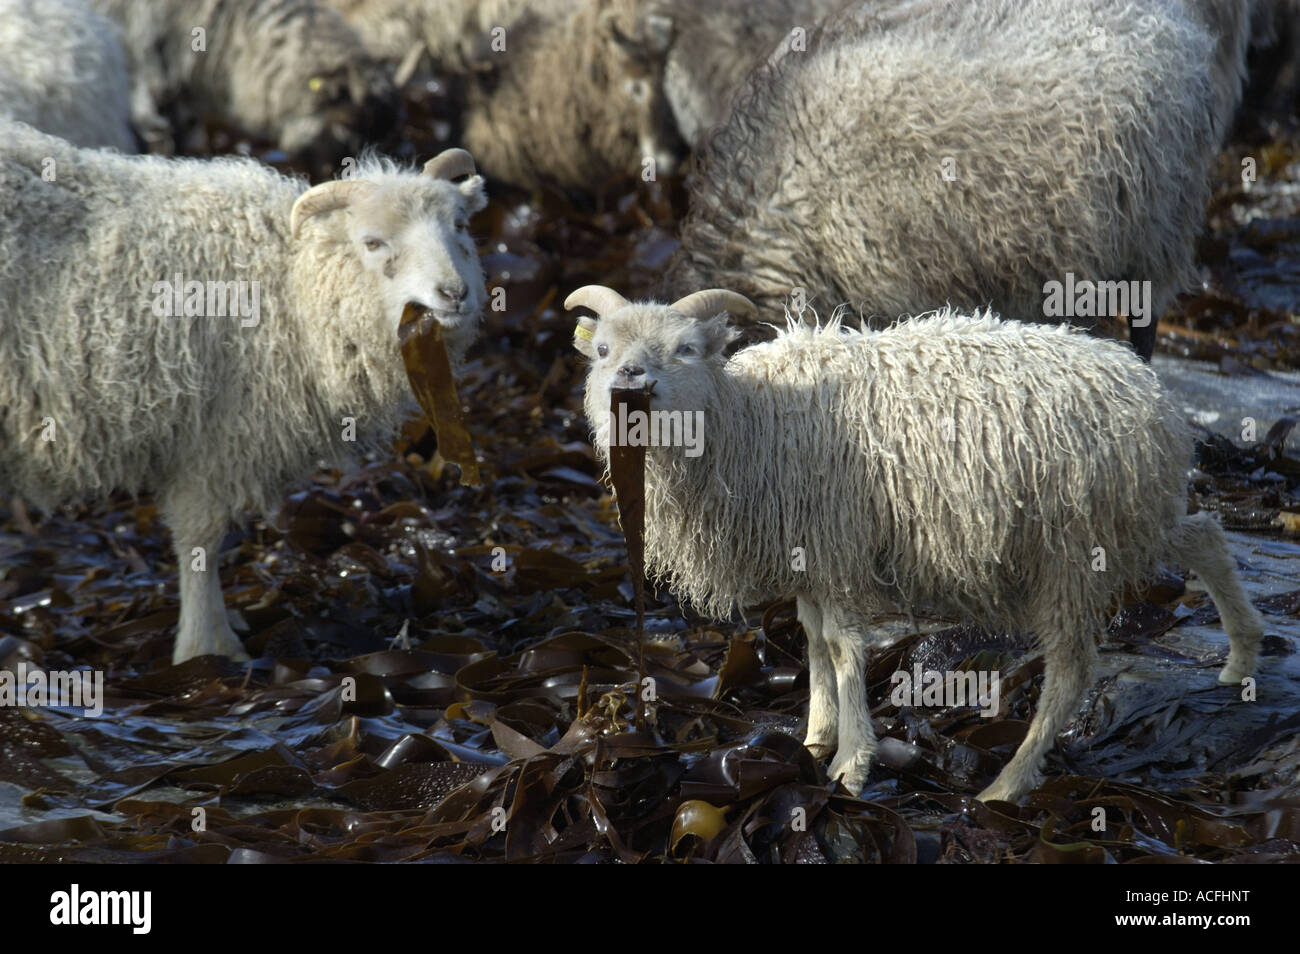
x=707, y=303
x=598, y=298
x=323, y=198
x=449, y=164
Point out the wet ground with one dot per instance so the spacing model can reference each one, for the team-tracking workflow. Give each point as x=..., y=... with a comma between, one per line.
x=447, y=673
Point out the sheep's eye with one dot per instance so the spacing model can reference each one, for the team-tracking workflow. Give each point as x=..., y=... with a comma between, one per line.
x=462, y=225
x=685, y=350
x=373, y=244
x=602, y=350
x=637, y=89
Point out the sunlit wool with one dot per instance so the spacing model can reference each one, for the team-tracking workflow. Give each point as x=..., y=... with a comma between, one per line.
x=211, y=414
x=290, y=71
x=961, y=153
x=63, y=71
x=962, y=465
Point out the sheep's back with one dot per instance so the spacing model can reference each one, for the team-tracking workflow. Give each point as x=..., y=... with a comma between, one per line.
x=135, y=398
x=829, y=173
x=946, y=463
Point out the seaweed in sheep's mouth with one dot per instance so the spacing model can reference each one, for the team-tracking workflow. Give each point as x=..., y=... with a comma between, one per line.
x=428, y=368
x=627, y=472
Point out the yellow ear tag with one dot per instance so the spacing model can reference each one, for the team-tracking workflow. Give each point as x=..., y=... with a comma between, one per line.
x=581, y=332
x=315, y=83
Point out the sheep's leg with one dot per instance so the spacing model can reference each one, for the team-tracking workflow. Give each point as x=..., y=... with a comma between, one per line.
x=204, y=628
x=1201, y=544
x=822, y=710
x=1070, y=655
x=1143, y=339
x=845, y=637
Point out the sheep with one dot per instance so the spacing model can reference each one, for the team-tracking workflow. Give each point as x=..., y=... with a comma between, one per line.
x=62, y=70
x=715, y=46
x=963, y=153
x=108, y=381
x=289, y=71
x=952, y=463
x=454, y=32
x=575, y=97
x=564, y=92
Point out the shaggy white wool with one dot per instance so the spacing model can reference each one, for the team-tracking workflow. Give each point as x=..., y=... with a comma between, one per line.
x=213, y=414
x=63, y=71
x=1014, y=476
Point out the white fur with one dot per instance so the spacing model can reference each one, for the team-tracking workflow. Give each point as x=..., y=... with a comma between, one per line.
x=211, y=415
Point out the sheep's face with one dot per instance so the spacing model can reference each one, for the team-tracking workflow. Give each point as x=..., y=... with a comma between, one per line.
x=640, y=47
x=412, y=237
x=339, y=110
x=647, y=344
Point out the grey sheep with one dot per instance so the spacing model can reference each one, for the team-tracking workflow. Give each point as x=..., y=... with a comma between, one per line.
x=717, y=44
x=564, y=92
x=208, y=330
x=976, y=154
x=576, y=97
x=289, y=71
x=63, y=71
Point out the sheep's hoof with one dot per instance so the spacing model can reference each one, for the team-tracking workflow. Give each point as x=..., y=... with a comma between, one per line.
x=1232, y=675
x=819, y=750
x=221, y=644
x=1001, y=791
x=851, y=771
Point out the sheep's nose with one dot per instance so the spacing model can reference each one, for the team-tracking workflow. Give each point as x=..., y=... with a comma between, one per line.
x=631, y=370
x=454, y=294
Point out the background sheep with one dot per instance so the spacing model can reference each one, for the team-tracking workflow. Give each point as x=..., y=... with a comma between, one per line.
x=290, y=71
x=454, y=32
x=965, y=465
x=965, y=153
x=62, y=70
x=576, y=97
x=99, y=392
x=715, y=45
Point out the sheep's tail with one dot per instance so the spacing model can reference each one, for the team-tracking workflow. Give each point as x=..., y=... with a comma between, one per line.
x=1200, y=543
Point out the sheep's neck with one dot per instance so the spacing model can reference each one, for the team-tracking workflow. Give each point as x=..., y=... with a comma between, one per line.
x=357, y=361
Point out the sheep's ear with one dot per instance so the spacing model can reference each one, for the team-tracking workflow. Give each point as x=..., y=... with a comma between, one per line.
x=718, y=333
x=583, y=334
x=474, y=192
x=323, y=198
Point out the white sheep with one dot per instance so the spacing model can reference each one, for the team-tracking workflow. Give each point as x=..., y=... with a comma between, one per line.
x=290, y=71
x=966, y=154
x=210, y=330
x=63, y=71
x=1016, y=476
